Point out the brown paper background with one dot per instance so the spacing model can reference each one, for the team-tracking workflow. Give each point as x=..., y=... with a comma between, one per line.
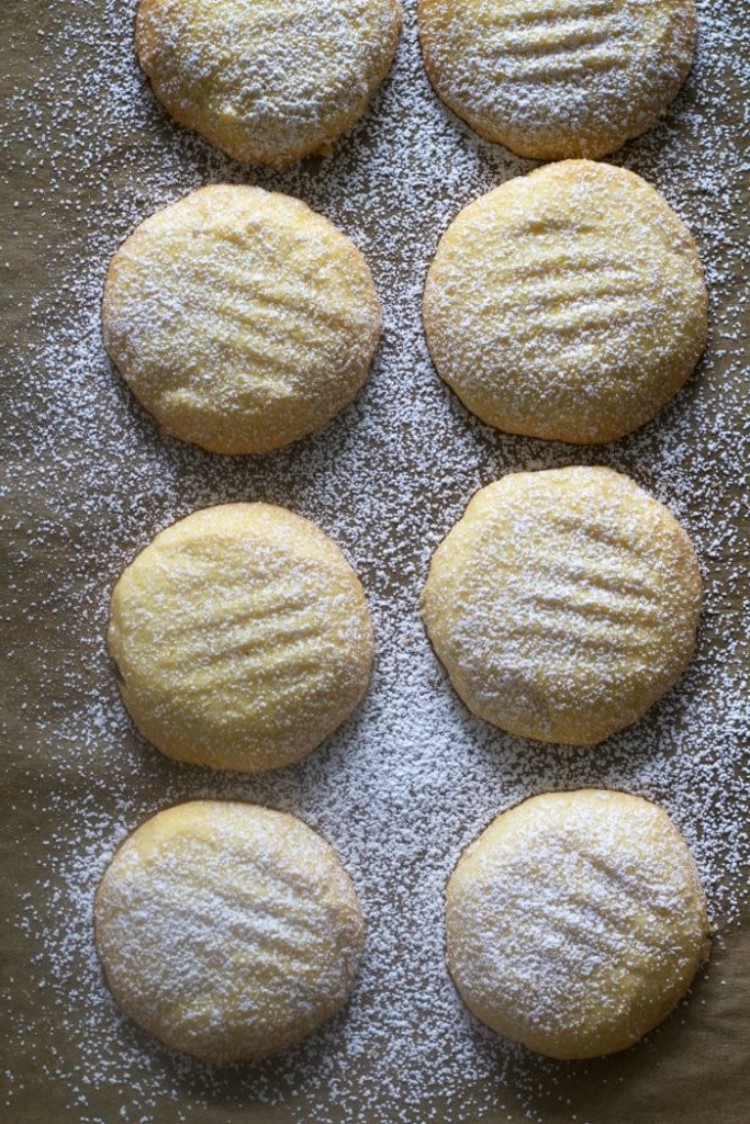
x=694, y=1070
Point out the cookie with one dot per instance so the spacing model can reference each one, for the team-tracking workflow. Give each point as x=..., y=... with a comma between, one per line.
x=566, y=78
x=240, y=319
x=576, y=922
x=228, y=931
x=242, y=638
x=563, y=604
x=568, y=304
x=267, y=82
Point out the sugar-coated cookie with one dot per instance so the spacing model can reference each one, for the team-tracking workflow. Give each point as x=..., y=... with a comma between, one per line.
x=242, y=638
x=568, y=304
x=267, y=81
x=560, y=79
x=563, y=603
x=576, y=922
x=228, y=931
x=240, y=319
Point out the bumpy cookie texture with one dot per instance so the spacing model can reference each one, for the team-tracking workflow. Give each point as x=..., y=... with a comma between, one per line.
x=563, y=604
x=228, y=931
x=568, y=304
x=267, y=81
x=242, y=638
x=576, y=922
x=559, y=79
x=240, y=318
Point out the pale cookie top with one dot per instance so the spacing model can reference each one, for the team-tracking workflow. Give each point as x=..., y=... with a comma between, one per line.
x=563, y=603
x=576, y=922
x=241, y=319
x=558, y=78
x=267, y=81
x=227, y=930
x=242, y=638
x=567, y=304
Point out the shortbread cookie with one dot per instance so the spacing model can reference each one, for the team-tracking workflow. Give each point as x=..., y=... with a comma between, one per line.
x=228, y=931
x=242, y=638
x=576, y=922
x=267, y=81
x=561, y=78
x=568, y=304
x=240, y=318
x=563, y=604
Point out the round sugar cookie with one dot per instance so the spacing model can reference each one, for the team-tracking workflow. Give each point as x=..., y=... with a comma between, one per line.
x=576, y=922
x=560, y=79
x=568, y=304
x=563, y=603
x=242, y=638
x=228, y=931
x=267, y=81
x=240, y=319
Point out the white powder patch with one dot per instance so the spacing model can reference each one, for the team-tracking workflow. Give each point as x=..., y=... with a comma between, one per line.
x=412, y=779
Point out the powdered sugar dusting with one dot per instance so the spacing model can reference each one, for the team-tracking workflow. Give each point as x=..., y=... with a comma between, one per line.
x=412, y=779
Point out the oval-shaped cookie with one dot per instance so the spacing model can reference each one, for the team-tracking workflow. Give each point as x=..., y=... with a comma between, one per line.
x=242, y=638
x=240, y=319
x=562, y=78
x=267, y=81
x=563, y=603
x=228, y=931
x=576, y=922
x=568, y=304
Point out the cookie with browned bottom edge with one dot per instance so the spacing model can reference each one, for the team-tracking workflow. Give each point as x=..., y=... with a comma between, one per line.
x=240, y=318
x=267, y=81
x=563, y=604
x=576, y=922
x=227, y=930
x=242, y=638
x=566, y=78
x=568, y=304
